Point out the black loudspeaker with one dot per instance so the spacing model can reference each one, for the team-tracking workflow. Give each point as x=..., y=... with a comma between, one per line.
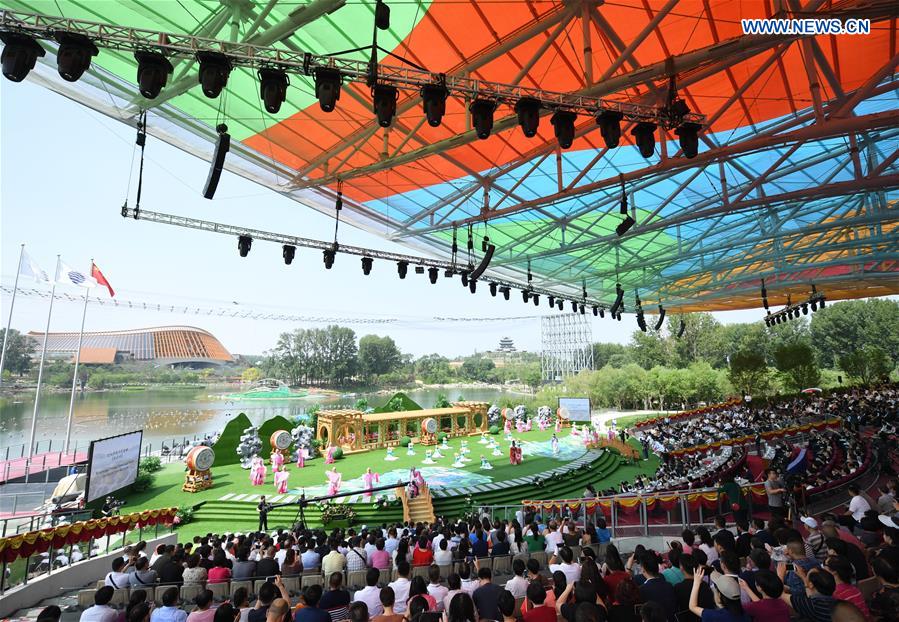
x=222, y=146
x=484, y=263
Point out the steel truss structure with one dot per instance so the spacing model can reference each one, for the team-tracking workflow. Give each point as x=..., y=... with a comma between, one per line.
x=796, y=181
x=567, y=346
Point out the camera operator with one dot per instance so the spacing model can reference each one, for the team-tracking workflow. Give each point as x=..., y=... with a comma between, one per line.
x=263, y=508
x=111, y=506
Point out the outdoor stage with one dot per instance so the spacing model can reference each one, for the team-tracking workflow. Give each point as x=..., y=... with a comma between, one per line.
x=231, y=502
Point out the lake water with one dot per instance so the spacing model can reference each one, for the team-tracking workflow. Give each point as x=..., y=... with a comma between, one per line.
x=173, y=414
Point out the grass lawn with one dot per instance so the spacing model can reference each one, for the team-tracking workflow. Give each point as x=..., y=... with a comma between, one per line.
x=166, y=491
x=629, y=420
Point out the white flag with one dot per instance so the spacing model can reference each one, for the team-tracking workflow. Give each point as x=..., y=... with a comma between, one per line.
x=67, y=275
x=28, y=267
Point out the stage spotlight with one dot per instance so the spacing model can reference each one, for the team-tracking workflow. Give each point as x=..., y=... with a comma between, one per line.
x=609, y=122
x=563, y=124
x=506, y=292
x=625, y=225
x=367, y=263
x=448, y=274
x=528, y=111
x=595, y=311
x=402, y=267
x=525, y=295
x=273, y=88
x=73, y=57
x=582, y=309
x=602, y=313
x=618, y=317
x=244, y=242
x=288, y=251
x=214, y=71
x=536, y=300
x=552, y=302
x=823, y=302
x=688, y=134
x=472, y=285
x=644, y=136
x=433, y=100
x=382, y=15
x=153, y=71
x=493, y=288
x=814, y=305
x=433, y=273
x=560, y=304
x=482, y=116
x=384, y=99
x=574, y=306
x=465, y=279
x=328, y=257
x=20, y=52
x=327, y=87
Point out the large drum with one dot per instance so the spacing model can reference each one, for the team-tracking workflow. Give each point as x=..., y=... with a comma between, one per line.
x=281, y=439
x=508, y=413
x=429, y=426
x=200, y=458
x=563, y=413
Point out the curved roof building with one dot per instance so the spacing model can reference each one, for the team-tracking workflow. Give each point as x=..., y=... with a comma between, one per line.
x=161, y=345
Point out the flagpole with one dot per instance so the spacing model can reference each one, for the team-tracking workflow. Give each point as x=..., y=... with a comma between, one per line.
x=11, y=305
x=40, y=369
x=87, y=292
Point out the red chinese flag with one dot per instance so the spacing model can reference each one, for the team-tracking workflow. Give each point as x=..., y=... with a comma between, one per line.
x=101, y=280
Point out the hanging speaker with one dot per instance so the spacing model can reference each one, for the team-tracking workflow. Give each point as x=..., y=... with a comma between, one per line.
x=222, y=146
x=484, y=263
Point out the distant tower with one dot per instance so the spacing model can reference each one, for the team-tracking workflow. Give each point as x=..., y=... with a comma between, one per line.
x=567, y=346
x=506, y=345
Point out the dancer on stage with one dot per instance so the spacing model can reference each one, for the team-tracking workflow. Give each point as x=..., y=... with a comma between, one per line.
x=558, y=423
x=277, y=461
x=257, y=471
x=301, y=457
x=514, y=454
x=281, y=480
x=496, y=450
x=390, y=457
x=334, y=479
x=458, y=464
x=437, y=455
x=410, y=450
x=555, y=445
x=329, y=454
x=486, y=466
x=368, y=479
x=507, y=427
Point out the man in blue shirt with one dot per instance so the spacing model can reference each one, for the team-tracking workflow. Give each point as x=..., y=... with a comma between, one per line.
x=656, y=588
x=169, y=612
x=311, y=612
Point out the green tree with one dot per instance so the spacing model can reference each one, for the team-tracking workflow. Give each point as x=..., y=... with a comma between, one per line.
x=845, y=327
x=441, y=402
x=532, y=375
x=251, y=374
x=867, y=364
x=19, y=350
x=478, y=368
x=378, y=355
x=433, y=369
x=796, y=363
x=603, y=352
x=701, y=340
x=361, y=404
x=748, y=372
x=649, y=349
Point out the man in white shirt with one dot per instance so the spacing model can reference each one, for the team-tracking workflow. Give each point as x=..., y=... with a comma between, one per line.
x=401, y=586
x=436, y=590
x=371, y=593
x=518, y=585
x=858, y=505
x=118, y=579
x=553, y=537
x=469, y=584
x=391, y=542
x=101, y=611
x=572, y=571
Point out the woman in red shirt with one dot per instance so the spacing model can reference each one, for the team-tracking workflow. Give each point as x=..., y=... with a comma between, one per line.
x=422, y=555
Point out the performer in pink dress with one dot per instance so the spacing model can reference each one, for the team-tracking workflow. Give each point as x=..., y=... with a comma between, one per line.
x=334, y=479
x=329, y=455
x=558, y=424
x=527, y=427
x=508, y=426
x=258, y=469
x=281, y=480
x=277, y=459
x=368, y=479
x=301, y=457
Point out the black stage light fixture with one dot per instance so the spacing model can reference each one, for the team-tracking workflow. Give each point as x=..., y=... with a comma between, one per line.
x=465, y=279
x=73, y=57
x=472, y=285
x=433, y=273
x=384, y=99
x=661, y=317
x=382, y=15
x=214, y=71
x=574, y=306
x=595, y=310
x=402, y=267
x=681, y=329
x=288, y=251
x=644, y=136
x=327, y=87
x=536, y=298
x=552, y=302
x=244, y=242
x=507, y=292
x=582, y=309
x=618, y=317
x=20, y=53
x=367, y=263
x=419, y=269
x=688, y=137
x=525, y=295
x=493, y=288
x=560, y=304
x=823, y=302
x=609, y=122
x=433, y=100
x=153, y=71
x=273, y=88
x=814, y=305
x=625, y=225
x=222, y=146
x=602, y=313
x=528, y=111
x=482, y=116
x=563, y=125
x=448, y=273
x=328, y=257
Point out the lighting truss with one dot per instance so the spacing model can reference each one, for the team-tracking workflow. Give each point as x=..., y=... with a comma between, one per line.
x=174, y=45
x=414, y=261
x=794, y=310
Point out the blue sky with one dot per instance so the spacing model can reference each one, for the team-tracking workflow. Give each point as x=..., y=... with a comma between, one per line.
x=63, y=177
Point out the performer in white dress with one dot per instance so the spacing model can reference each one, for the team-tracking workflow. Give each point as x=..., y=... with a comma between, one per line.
x=486, y=466
x=390, y=457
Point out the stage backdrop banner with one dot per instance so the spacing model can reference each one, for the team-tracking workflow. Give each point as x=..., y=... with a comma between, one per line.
x=578, y=408
x=112, y=464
